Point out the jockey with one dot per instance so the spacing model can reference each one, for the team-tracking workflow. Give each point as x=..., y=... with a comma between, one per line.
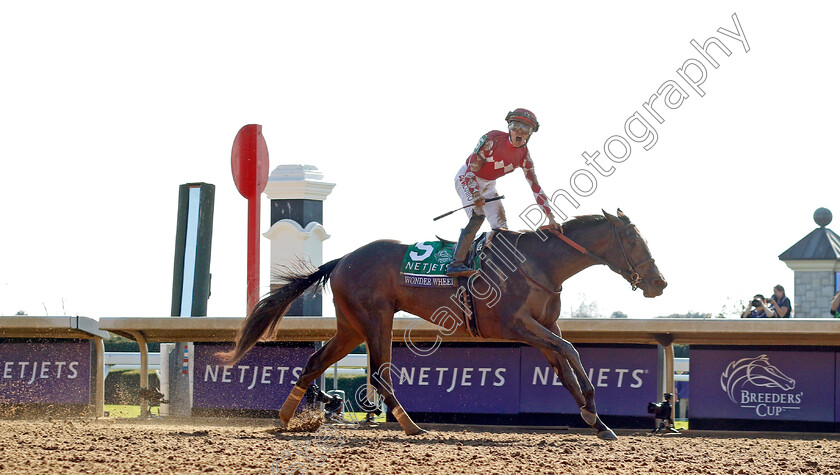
x=497, y=154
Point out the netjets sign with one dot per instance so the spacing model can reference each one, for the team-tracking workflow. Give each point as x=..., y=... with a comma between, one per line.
x=513, y=379
x=763, y=384
x=754, y=383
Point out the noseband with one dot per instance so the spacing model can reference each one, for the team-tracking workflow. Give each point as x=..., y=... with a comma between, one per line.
x=630, y=273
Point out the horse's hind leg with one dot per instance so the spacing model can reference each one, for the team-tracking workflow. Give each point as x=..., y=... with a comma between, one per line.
x=345, y=339
x=380, y=360
x=566, y=361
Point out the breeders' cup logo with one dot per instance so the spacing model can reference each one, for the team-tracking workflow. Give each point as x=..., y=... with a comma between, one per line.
x=743, y=380
x=443, y=257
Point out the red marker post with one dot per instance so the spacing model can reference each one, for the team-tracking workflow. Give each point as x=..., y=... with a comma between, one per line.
x=249, y=164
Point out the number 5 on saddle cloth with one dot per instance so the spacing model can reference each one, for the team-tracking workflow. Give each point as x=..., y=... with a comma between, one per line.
x=424, y=265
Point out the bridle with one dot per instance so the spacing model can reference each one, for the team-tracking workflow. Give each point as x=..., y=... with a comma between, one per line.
x=633, y=275
x=630, y=273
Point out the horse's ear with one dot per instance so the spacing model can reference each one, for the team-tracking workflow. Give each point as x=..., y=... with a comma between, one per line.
x=617, y=222
x=621, y=213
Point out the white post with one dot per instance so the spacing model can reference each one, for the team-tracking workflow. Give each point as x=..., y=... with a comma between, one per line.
x=297, y=195
x=165, y=349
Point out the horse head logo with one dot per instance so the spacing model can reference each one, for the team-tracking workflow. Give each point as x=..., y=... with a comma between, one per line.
x=757, y=371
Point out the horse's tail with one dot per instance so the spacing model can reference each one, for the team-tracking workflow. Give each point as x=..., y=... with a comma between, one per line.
x=267, y=313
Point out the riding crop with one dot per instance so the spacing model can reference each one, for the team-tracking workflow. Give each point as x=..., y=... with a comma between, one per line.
x=468, y=206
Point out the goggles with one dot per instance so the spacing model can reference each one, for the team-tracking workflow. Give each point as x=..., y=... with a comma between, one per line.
x=520, y=127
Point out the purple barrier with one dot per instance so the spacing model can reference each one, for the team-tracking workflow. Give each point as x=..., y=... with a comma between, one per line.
x=261, y=380
x=482, y=380
x=837, y=388
x=624, y=380
x=763, y=384
x=45, y=373
x=493, y=380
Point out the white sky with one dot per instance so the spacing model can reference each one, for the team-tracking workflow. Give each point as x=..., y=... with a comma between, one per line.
x=107, y=107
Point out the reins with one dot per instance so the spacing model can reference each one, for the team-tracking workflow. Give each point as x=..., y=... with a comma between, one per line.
x=631, y=274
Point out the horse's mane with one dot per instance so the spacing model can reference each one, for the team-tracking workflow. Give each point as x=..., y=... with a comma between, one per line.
x=588, y=220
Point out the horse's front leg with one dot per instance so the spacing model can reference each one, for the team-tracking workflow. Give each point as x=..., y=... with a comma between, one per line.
x=587, y=389
x=565, y=360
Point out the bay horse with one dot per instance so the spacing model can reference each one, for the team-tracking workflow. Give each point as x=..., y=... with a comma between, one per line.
x=367, y=292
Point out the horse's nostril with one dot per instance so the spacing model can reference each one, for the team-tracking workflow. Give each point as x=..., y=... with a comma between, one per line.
x=660, y=283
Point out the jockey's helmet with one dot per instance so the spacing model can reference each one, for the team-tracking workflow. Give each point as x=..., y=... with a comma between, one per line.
x=523, y=115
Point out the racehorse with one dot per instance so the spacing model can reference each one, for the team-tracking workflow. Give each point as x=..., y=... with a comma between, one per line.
x=524, y=306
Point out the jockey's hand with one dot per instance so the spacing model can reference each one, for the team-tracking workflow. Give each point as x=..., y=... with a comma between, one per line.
x=552, y=222
x=479, y=201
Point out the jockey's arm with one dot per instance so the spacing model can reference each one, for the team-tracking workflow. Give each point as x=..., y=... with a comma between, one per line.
x=474, y=164
x=542, y=199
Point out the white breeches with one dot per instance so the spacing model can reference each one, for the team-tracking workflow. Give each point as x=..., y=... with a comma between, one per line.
x=494, y=211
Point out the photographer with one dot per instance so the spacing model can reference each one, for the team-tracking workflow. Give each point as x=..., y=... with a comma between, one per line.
x=779, y=306
x=835, y=303
x=755, y=308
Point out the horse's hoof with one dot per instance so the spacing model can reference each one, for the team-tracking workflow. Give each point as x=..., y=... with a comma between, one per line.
x=419, y=431
x=588, y=416
x=607, y=435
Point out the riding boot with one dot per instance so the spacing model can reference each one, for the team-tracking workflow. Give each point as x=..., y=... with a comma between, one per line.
x=458, y=267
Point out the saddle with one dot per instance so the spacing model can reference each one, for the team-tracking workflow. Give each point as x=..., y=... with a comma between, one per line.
x=424, y=265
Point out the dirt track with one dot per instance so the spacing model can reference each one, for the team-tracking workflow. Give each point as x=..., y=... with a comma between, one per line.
x=254, y=446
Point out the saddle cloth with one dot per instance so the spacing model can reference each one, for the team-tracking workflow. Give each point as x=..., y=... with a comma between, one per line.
x=424, y=263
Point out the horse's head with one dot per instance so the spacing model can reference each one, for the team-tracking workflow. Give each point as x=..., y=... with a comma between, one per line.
x=630, y=255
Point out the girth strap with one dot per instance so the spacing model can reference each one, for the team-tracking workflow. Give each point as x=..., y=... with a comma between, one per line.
x=467, y=307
